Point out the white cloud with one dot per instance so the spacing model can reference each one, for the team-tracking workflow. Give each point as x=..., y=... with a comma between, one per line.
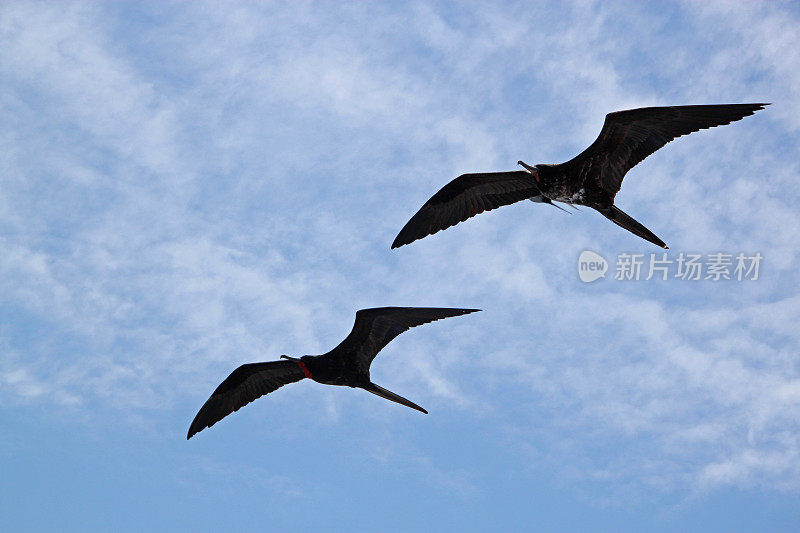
x=167, y=224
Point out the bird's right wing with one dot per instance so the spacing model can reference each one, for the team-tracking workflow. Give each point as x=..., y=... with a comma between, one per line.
x=375, y=328
x=245, y=384
x=629, y=136
x=465, y=197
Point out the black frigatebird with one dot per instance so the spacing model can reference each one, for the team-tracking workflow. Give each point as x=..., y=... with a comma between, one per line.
x=593, y=178
x=347, y=364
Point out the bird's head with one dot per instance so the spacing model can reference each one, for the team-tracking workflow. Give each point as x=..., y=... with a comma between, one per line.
x=529, y=168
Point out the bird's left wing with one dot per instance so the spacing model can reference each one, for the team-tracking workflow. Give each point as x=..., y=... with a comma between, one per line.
x=628, y=137
x=465, y=197
x=375, y=328
x=245, y=384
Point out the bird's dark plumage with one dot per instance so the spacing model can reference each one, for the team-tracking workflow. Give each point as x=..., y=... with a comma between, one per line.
x=465, y=197
x=347, y=364
x=628, y=137
x=593, y=178
x=375, y=328
x=245, y=384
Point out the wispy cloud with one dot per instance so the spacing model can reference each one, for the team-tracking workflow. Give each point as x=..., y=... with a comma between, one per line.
x=223, y=186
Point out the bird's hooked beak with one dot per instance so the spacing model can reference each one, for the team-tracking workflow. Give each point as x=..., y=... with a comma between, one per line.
x=300, y=362
x=532, y=170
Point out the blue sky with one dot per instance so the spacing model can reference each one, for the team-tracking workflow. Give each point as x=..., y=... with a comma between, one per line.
x=187, y=187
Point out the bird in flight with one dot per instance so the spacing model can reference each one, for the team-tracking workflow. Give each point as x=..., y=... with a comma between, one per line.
x=593, y=178
x=347, y=364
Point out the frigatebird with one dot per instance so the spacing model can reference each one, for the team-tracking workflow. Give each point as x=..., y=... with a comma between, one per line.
x=592, y=179
x=347, y=364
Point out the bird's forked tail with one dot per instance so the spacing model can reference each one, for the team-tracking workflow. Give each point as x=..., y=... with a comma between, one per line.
x=620, y=218
x=389, y=395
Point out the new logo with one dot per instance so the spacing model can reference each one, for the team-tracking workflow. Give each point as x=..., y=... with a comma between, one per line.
x=591, y=266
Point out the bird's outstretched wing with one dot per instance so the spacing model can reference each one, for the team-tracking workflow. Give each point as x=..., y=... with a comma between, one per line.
x=465, y=197
x=630, y=136
x=375, y=328
x=244, y=385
